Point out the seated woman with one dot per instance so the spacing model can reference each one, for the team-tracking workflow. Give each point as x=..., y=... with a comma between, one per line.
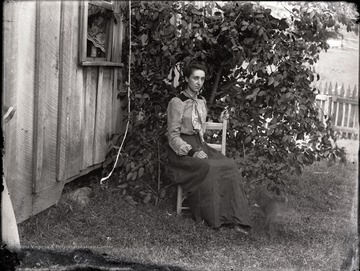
x=212, y=181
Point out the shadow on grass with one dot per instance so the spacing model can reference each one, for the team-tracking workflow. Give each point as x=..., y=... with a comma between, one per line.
x=75, y=259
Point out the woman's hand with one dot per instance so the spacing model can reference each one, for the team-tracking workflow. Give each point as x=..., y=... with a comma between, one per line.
x=200, y=154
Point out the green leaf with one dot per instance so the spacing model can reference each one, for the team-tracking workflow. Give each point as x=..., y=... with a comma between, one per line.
x=129, y=176
x=147, y=198
x=300, y=160
x=128, y=167
x=122, y=186
x=253, y=60
x=134, y=175
x=273, y=126
x=261, y=31
x=148, y=157
x=141, y=172
x=196, y=12
x=270, y=81
x=163, y=193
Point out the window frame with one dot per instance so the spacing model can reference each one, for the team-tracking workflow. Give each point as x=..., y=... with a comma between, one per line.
x=112, y=45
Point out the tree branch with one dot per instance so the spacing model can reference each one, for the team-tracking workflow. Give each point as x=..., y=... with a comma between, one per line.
x=215, y=86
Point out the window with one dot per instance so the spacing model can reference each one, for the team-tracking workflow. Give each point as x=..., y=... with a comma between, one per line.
x=99, y=34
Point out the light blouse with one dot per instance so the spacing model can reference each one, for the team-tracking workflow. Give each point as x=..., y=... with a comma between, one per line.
x=185, y=115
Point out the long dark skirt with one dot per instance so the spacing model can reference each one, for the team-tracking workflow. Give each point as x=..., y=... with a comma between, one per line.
x=214, y=185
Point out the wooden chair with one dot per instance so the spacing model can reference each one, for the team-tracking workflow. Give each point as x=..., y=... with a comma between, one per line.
x=220, y=147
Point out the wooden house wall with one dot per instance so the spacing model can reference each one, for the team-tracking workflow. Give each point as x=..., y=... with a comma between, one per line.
x=64, y=111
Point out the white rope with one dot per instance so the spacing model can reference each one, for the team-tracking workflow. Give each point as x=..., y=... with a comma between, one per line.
x=128, y=96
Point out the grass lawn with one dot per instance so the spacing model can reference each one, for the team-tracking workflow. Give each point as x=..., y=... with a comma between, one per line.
x=341, y=65
x=319, y=231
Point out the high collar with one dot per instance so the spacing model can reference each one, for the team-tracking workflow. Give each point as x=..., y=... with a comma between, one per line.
x=190, y=96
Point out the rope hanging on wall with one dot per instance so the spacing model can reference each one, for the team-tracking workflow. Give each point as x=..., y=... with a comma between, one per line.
x=128, y=96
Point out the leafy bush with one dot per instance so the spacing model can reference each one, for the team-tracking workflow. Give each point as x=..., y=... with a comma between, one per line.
x=259, y=67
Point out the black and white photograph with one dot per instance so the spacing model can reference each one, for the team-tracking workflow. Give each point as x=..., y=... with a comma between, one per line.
x=180, y=135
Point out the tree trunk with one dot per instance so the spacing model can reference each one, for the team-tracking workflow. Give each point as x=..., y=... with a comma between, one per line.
x=215, y=86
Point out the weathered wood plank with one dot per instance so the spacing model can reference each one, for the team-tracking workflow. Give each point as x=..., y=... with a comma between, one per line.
x=114, y=102
x=19, y=80
x=344, y=100
x=351, y=115
x=109, y=29
x=109, y=116
x=89, y=109
x=334, y=113
x=65, y=78
x=342, y=91
x=83, y=22
x=101, y=63
x=10, y=47
x=75, y=100
x=47, y=87
x=24, y=89
x=100, y=122
x=342, y=121
x=346, y=129
x=339, y=114
x=118, y=36
x=47, y=197
x=324, y=110
x=321, y=97
x=328, y=106
x=356, y=121
x=38, y=119
x=74, y=117
x=346, y=115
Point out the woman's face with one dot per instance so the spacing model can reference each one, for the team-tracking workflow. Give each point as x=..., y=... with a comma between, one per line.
x=196, y=80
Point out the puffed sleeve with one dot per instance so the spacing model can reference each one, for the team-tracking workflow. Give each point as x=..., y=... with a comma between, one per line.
x=174, y=115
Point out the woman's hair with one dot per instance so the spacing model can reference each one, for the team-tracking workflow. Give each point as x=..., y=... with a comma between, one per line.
x=193, y=66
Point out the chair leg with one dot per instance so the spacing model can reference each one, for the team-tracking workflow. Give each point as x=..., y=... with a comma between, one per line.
x=179, y=199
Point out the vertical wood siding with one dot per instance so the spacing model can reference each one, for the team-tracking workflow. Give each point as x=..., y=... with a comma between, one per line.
x=47, y=90
x=64, y=111
x=46, y=189
x=90, y=86
x=9, y=97
x=21, y=42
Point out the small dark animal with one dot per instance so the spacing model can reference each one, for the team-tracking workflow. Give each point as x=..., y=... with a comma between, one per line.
x=273, y=209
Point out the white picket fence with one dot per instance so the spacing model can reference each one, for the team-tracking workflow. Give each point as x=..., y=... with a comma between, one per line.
x=342, y=105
